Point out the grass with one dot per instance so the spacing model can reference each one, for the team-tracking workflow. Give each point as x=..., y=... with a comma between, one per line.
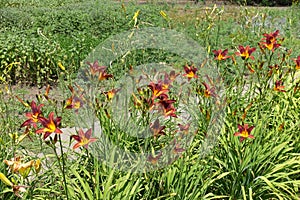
x=149, y=156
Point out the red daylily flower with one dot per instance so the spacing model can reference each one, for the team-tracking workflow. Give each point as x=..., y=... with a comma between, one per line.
x=83, y=139
x=100, y=70
x=168, y=107
x=17, y=189
x=172, y=76
x=95, y=68
x=154, y=159
x=50, y=125
x=270, y=41
x=157, y=89
x=74, y=102
x=208, y=92
x=103, y=75
x=274, y=68
x=168, y=79
x=34, y=116
x=157, y=129
x=297, y=61
x=221, y=55
x=190, y=72
x=244, y=132
x=177, y=149
x=245, y=52
x=184, y=128
x=279, y=87
x=110, y=94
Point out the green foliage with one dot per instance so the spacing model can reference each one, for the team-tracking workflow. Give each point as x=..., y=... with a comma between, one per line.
x=264, y=2
x=34, y=40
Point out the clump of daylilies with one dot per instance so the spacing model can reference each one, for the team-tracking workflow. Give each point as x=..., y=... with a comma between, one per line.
x=50, y=129
x=273, y=72
x=160, y=97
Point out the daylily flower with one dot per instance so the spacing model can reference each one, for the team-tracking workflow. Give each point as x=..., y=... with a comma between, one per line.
x=245, y=52
x=154, y=159
x=157, y=129
x=244, y=132
x=157, y=89
x=16, y=165
x=190, y=72
x=168, y=79
x=168, y=107
x=177, y=149
x=19, y=188
x=37, y=165
x=208, y=92
x=34, y=116
x=50, y=125
x=5, y=180
x=297, y=61
x=274, y=68
x=83, y=139
x=172, y=76
x=221, y=55
x=270, y=41
x=184, y=128
x=110, y=94
x=103, y=75
x=279, y=87
x=74, y=102
x=95, y=69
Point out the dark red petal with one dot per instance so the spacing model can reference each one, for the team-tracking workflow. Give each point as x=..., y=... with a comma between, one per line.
x=250, y=129
x=88, y=134
x=76, y=137
x=57, y=121
x=46, y=135
x=241, y=128
x=27, y=122
x=43, y=121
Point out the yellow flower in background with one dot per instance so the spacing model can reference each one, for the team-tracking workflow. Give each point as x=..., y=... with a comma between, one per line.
x=163, y=14
x=61, y=66
x=135, y=17
x=136, y=14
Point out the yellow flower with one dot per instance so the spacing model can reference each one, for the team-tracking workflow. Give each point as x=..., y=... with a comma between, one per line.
x=136, y=14
x=163, y=14
x=61, y=66
x=37, y=165
x=16, y=165
x=5, y=180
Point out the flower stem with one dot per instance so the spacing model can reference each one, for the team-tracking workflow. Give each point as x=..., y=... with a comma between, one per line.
x=62, y=167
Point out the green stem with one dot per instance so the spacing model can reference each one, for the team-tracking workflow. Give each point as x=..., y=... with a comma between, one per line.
x=62, y=167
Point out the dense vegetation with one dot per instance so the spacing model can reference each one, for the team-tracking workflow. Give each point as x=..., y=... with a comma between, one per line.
x=266, y=2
